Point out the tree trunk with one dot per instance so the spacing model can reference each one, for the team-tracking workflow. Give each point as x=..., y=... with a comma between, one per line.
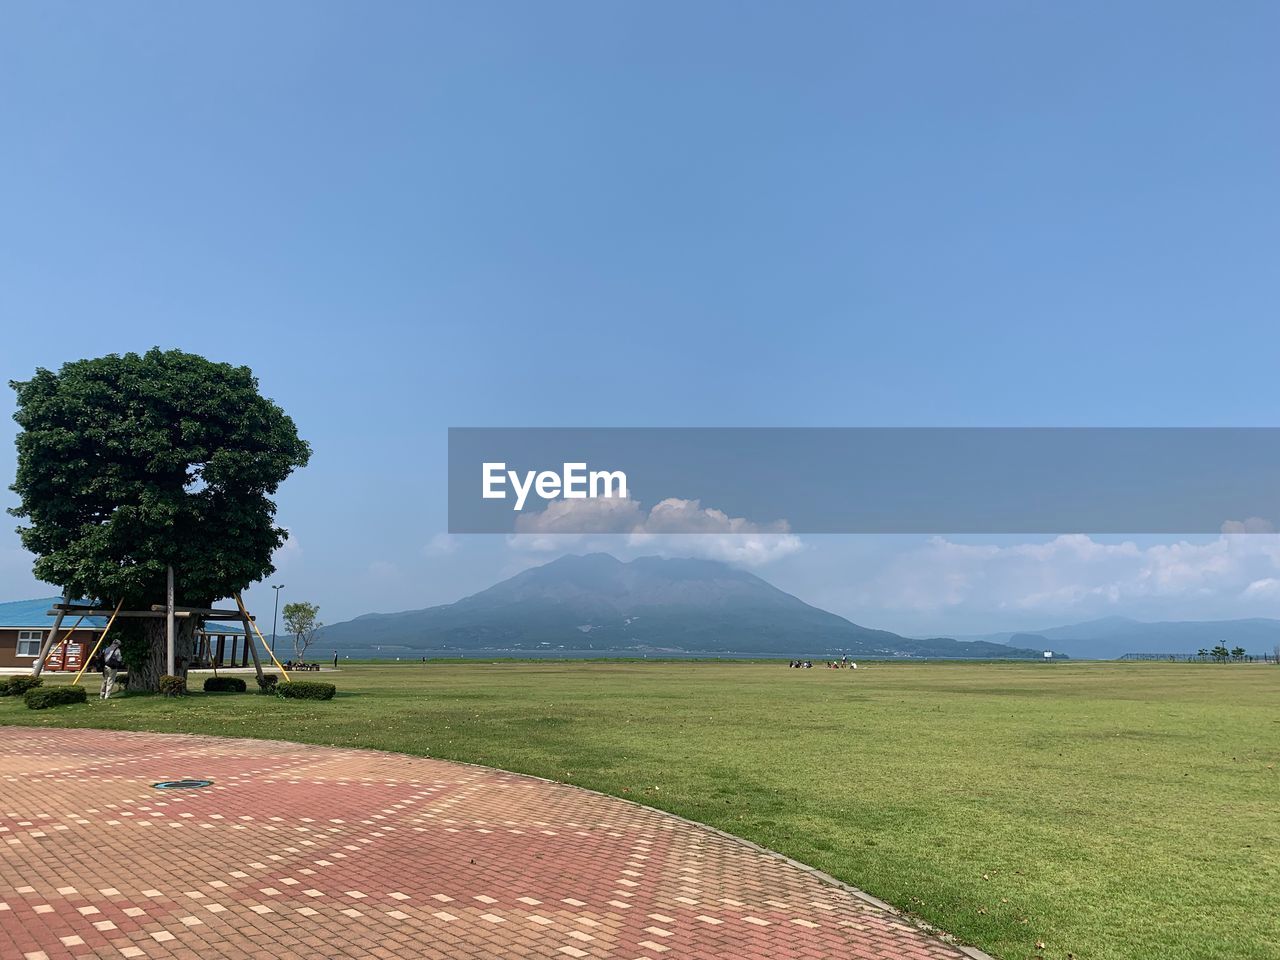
x=146, y=669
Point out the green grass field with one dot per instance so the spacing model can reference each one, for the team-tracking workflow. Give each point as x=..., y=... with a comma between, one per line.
x=1112, y=811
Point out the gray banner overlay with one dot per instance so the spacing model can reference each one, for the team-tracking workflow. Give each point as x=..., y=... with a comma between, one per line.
x=870, y=480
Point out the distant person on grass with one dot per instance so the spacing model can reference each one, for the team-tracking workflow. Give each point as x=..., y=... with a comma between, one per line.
x=335, y=659
x=112, y=664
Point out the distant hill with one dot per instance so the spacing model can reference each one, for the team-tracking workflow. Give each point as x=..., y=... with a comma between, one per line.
x=1112, y=637
x=597, y=603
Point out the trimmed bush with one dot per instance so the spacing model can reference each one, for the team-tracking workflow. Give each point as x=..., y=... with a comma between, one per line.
x=306, y=690
x=173, y=686
x=267, y=683
x=17, y=686
x=39, y=698
x=224, y=685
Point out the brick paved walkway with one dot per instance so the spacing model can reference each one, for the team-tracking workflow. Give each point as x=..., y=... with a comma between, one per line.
x=311, y=852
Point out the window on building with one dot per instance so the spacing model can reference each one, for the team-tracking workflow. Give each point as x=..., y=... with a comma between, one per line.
x=29, y=642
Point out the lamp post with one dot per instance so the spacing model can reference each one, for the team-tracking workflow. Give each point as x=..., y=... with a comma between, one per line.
x=274, y=617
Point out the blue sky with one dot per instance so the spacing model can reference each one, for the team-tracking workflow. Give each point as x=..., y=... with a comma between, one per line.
x=410, y=216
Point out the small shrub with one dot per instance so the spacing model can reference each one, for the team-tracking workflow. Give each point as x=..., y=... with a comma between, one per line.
x=17, y=686
x=267, y=683
x=173, y=686
x=224, y=685
x=38, y=698
x=306, y=690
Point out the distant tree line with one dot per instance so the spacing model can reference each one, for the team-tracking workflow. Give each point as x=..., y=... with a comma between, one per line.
x=1220, y=654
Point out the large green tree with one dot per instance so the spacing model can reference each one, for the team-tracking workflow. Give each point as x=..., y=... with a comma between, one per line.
x=127, y=464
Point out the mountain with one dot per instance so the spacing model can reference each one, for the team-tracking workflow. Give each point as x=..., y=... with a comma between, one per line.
x=649, y=605
x=1112, y=637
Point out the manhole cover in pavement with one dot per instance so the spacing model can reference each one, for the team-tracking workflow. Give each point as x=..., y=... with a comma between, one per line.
x=181, y=784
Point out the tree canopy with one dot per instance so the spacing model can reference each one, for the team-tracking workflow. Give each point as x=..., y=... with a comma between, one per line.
x=302, y=620
x=129, y=463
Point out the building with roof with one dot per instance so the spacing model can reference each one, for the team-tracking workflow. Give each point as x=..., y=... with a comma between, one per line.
x=25, y=625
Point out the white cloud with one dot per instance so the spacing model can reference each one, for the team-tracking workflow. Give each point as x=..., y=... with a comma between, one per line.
x=442, y=544
x=685, y=527
x=672, y=527
x=288, y=552
x=1077, y=575
x=1252, y=525
x=592, y=515
x=1267, y=588
x=690, y=516
x=744, y=550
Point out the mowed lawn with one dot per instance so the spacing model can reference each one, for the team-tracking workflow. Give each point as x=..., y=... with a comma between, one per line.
x=1110, y=811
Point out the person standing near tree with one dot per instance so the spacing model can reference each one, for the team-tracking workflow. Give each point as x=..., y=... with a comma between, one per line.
x=112, y=664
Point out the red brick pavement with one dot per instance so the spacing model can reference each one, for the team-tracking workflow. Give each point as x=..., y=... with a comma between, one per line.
x=310, y=852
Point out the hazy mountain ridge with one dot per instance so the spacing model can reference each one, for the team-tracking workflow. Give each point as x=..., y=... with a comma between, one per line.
x=597, y=602
x=1111, y=637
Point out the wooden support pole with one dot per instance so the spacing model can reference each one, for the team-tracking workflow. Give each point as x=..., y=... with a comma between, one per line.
x=98, y=612
x=94, y=652
x=170, y=629
x=248, y=641
x=38, y=666
x=208, y=613
x=248, y=626
x=252, y=647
